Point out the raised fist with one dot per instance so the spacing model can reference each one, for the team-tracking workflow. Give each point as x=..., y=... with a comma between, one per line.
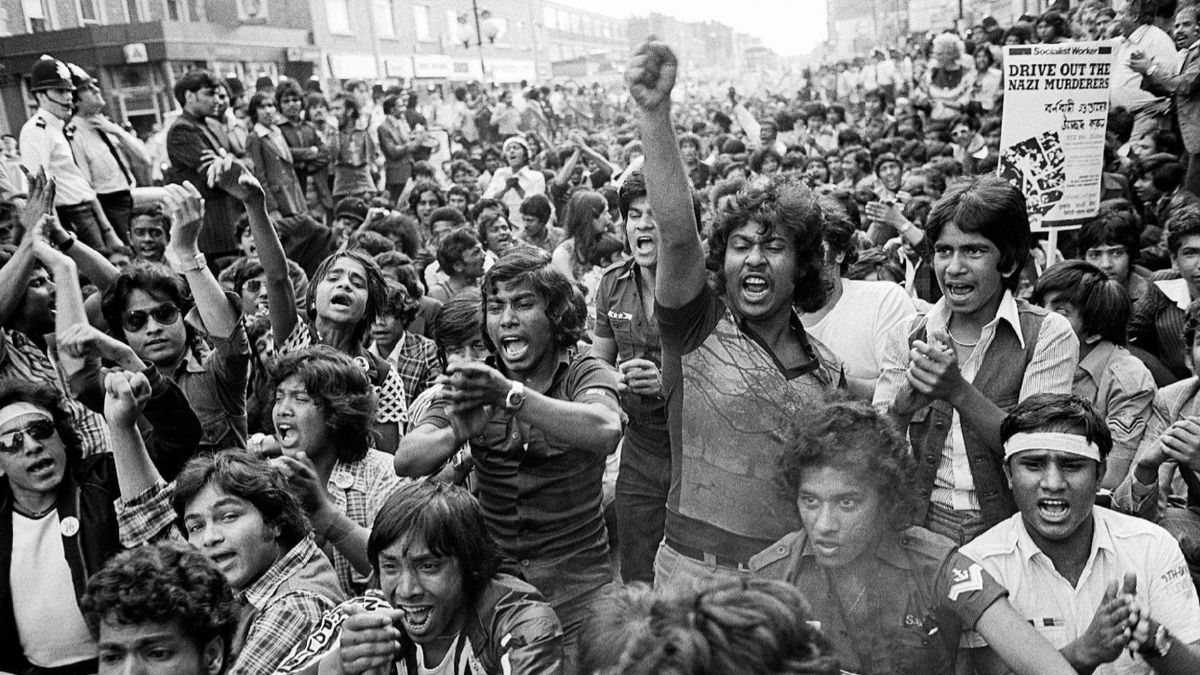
x=651, y=75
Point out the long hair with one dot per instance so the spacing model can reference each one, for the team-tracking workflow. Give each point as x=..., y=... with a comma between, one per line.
x=15, y=390
x=341, y=390
x=447, y=519
x=787, y=206
x=532, y=265
x=584, y=207
x=240, y=474
x=376, y=288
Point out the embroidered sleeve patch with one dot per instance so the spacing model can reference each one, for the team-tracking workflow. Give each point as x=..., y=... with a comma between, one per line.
x=965, y=581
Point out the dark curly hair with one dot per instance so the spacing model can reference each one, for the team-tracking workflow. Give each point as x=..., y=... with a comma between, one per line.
x=785, y=204
x=376, y=288
x=340, y=389
x=16, y=390
x=163, y=583
x=447, y=519
x=747, y=626
x=854, y=437
x=532, y=265
x=153, y=278
x=240, y=474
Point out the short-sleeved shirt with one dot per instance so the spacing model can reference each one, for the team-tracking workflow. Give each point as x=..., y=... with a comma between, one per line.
x=857, y=328
x=728, y=402
x=923, y=594
x=540, y=496
x=621, y=317
x=1121, y=545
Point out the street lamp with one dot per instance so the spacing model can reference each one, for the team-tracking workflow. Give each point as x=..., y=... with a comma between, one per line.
x=485, y=26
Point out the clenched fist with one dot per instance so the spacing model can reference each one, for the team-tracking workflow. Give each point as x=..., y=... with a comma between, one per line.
x=651, y=75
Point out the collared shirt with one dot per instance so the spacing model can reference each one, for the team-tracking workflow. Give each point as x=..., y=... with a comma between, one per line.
x=922, y=595
x=1121, y=390
x=1156, y=323
x=44, y=144
x=280, y=613
x=1126, y=84
x=621, y=317
x=540, y=496
x=415, y=357
x=275, y=136
x=1051, y=370
x=393, y=407
x=98, y=158
x=1120, y=545
x=22, y=359
x=359, y=489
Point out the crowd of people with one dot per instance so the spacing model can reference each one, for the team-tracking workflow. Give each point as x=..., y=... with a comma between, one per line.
x=663, y=379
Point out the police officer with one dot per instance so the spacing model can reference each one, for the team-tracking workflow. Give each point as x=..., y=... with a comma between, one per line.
x=105, y=153
x=45, y=144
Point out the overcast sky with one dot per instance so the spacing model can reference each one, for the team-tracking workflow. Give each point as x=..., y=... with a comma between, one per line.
x=787, y=26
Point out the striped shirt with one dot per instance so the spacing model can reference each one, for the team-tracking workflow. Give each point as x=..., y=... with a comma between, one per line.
x=1051, y=370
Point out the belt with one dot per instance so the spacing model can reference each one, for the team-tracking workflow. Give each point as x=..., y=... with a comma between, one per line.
x=704, y=556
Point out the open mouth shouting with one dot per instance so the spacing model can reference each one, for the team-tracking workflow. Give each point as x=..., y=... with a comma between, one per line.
x=287, y=434
x=958, y=292
x=643, y=244
x=1054, y=510
x=416, y=619
x=513, y=348
x=756, y=288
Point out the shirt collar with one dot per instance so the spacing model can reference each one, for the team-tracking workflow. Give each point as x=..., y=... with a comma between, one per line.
x=1176, y=290
x=51, y=119
x=1096, y=360
x=939, y=316
x=1101, y=539
x=262, y=130
x=263, y=589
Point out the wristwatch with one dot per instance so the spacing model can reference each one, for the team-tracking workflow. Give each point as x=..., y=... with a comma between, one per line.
x=197, y=263
x=515, y=397
x=1159, y=646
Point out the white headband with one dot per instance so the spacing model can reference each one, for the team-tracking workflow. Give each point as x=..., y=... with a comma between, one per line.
x=1051, y=440
x=18, y=409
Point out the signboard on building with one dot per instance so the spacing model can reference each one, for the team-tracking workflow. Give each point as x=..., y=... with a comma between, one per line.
x=135, y=52
x=1052, y=135
x=433, y=66
x=353, y=66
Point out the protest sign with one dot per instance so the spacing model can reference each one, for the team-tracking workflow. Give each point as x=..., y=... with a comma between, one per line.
x=1052, y=134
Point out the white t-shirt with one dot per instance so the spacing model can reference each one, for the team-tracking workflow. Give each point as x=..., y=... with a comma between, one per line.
x=1120, y=544
x=858, y=326
x=53, y=632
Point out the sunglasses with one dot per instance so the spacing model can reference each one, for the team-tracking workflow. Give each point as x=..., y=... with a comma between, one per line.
x=39, y=430
x=135, y=320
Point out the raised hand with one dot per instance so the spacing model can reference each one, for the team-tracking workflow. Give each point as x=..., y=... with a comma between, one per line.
x=651, y=75
x=83, y=341
x=41, y=199
x=125, y=394
x=246, y=188
x=305, y=481
x=934, y=370
x=1110, y=630
x=186, y=208
x=369, y=641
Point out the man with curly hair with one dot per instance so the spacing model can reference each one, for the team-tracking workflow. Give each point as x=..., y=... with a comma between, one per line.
x=736, y=360
x=161, y=610
x=541, y=424
x=890, y=597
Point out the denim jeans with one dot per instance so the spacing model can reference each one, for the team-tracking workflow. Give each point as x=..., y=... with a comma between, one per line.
x=641, y=504
x=672, y=569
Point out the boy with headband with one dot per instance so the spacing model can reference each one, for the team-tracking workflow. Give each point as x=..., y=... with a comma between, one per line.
x=1110, y=591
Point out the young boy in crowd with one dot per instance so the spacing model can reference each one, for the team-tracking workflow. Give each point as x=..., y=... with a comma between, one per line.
x=949, y=375
x=1104, y=588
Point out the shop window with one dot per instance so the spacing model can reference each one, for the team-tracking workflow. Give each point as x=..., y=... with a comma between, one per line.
x=385, y=18
x=338, y=14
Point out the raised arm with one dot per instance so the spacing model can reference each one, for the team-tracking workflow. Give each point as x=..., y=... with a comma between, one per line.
x=281, y=297
x=124, y=395
x=187, y=218
x=681, y=275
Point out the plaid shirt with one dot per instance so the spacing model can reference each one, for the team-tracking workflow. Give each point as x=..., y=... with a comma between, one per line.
x=415, y=357
x=359, y=490
x=147, y=517
x=282, y=612
x=21, y=359
x=393, y=408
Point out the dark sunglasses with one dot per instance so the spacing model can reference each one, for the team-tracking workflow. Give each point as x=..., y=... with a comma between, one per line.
x=135, y=320
x=39, y=430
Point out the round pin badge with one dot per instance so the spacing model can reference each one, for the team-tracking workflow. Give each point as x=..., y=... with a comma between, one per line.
x=343, y=480
x=69, y=526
